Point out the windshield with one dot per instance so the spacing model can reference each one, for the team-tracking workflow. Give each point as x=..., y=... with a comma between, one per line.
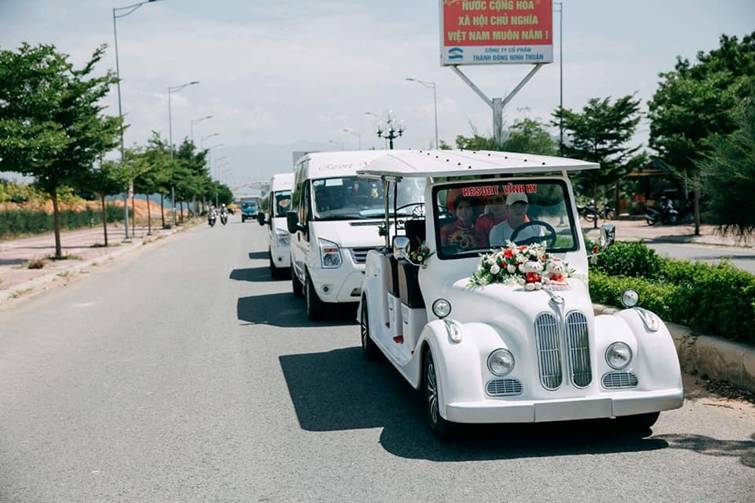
x=474, y=217
x=354, y=198
x=282, y=202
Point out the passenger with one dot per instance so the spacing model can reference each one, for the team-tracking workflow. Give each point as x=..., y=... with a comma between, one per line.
x=495, y=213
x=517, y=204
x=461, y=232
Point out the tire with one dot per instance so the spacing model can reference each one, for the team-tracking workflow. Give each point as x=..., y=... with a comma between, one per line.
x=314, y=307
x=370, y=350
x=243, y=219
x=430, y=395
x=296, y=287
x=638, y=422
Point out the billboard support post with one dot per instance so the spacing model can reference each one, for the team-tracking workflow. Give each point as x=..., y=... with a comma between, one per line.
x=497, y=104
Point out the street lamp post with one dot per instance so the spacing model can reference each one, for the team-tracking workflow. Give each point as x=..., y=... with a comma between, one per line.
x=430, y=85
x=119, y=12
x=201, y=140
x=174, y=89
x=390, y=130
x=354, y=133
x=560, y=11
x=197, y=121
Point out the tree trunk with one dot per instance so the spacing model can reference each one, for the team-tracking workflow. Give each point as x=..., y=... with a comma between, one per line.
x=133, y=216
x=104, y=217
x=617, y=199
x=56, y=222
x=595, y=192
x=149, y=218
x=162, y=211
x=181, y=211
x=696, y=196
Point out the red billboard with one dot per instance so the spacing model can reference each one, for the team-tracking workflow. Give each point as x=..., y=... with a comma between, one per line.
x=477, y=32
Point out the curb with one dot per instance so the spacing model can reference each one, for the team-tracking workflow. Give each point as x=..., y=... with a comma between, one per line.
x=717, y=358
x=41, y=281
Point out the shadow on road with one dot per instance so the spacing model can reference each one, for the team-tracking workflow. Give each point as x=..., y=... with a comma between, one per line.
x=285, y=310
x=742, y=449
x=259, y=255
x=256, y=274
x=339, y=390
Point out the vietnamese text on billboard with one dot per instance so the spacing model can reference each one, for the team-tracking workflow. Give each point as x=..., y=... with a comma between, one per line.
x=476, y=32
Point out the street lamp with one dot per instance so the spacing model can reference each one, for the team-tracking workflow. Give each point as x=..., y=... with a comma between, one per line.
x=171, y=90
x=197, y=121
x=337, y=144
x=430, y=85
x=390, y=130
x=354, y=133
x=119, y=12
x=201, y=141
x=560, y=11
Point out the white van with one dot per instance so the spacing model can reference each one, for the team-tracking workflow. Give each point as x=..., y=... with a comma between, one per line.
x=335, y=220
x=278, y=238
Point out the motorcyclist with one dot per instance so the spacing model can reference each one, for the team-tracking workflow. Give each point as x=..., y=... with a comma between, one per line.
x=223, y=210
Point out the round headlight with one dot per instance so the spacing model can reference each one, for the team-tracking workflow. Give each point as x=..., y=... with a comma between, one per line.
x=618, y=355
x=629, y=298
x=441, y=308
x=501, y=362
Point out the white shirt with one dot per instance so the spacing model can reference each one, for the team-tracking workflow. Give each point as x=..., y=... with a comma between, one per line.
x=502, y=232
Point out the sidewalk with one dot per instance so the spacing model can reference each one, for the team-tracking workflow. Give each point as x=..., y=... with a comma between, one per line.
x=636, y=230
x=83, y=248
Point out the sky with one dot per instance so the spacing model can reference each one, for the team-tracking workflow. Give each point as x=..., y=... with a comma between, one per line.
x=289, y=75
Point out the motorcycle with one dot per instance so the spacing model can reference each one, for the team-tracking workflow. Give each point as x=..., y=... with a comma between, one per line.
x=211, y=219
x=667, y=215
x=224, y=218
x=589, y=212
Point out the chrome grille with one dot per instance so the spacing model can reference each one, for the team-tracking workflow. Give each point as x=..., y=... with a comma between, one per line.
x=578, y=344
x=548, y=350
x=360, y=254
x=503, y=387
x=619, y=380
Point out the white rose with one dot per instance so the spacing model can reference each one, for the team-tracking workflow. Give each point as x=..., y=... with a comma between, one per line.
x=494, y=269
x=521, y=258
x=521, y=267
x=511, y=268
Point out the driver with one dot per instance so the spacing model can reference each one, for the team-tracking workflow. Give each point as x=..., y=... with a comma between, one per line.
x=517, y=204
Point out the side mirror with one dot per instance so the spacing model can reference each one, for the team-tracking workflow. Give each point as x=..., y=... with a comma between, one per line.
x=400, y=247
x=292, y=222
x=261, y=218
x=607, y=235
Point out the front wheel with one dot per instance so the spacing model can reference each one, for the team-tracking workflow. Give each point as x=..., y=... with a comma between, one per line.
x=638, y=421
x=296, y=287
x=369, y=349
x=314, y=306
x=431, y=394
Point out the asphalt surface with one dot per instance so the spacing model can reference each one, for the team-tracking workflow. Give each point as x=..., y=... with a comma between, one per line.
x=186, y=374
x=743, y=258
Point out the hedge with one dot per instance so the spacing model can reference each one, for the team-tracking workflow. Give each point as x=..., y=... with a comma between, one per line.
x=17, y=222
x=714, y=299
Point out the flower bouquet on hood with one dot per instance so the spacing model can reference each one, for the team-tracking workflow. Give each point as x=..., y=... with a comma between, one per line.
x=529, y=266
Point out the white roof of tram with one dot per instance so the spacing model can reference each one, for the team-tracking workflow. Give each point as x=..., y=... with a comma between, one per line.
x=452, y=163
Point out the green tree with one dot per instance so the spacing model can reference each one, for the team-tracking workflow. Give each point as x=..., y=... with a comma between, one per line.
x=728, y=172
x=159, y=158
x=693, y=102
x=601, y=133
x=51, y=121
x=530, y=136
x=525, y=135
x=104, y=181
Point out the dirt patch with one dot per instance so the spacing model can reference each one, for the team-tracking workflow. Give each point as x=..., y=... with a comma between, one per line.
x=719, y=394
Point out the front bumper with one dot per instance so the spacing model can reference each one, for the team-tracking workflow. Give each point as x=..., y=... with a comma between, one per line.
x=338, y=285
x=606, y=405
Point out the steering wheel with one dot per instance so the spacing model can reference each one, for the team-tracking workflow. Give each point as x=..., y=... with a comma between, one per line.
x=418, y=211
x=550, y=237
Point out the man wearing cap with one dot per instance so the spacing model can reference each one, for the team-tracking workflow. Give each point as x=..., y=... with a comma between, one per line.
x=517, y=204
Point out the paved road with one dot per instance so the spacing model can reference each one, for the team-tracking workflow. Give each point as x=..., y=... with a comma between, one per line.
x=743, y=258
x=187, y=375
